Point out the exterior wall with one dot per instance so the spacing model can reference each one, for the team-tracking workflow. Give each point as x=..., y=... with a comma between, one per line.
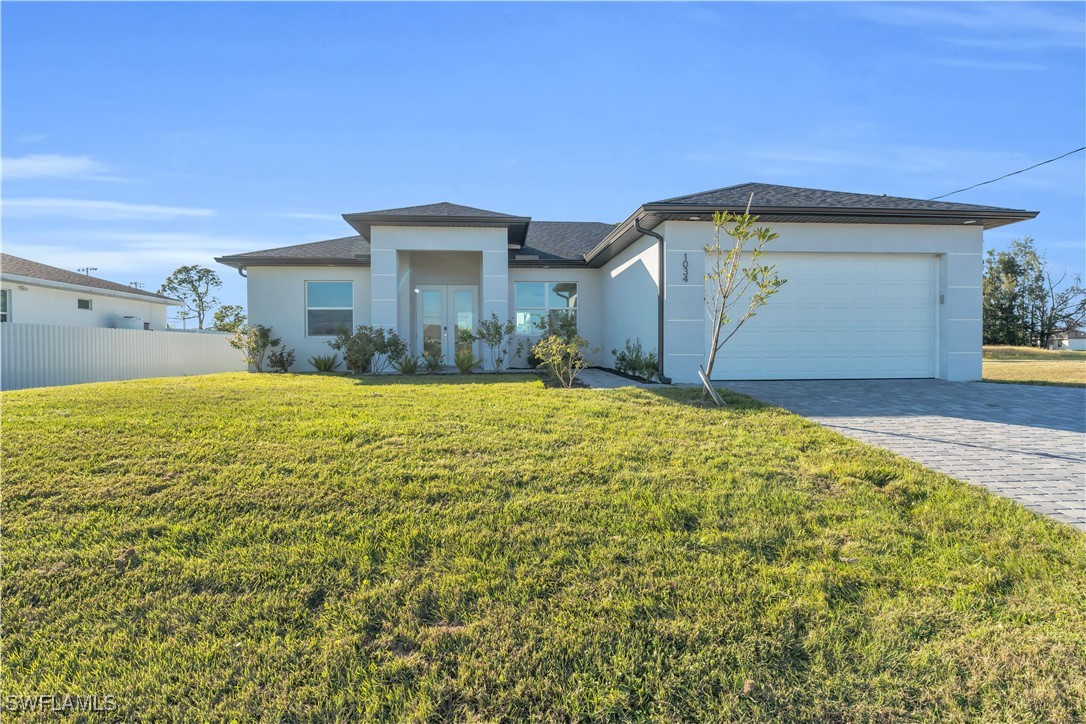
x=958, y=249
x=392, y=285
x=1078, y=345
x=47, y=355
x=589, y=305
x=276, y=299
x=630, y=286
x=33, y=304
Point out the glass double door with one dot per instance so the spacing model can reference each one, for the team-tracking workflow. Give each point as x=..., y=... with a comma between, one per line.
x=443, y=310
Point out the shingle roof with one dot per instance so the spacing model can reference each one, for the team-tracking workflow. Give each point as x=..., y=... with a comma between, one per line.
x=35, y=270
x=562, y=240
x=734, y=198
x=549, y=240
x=344, y=248
x=443, y=208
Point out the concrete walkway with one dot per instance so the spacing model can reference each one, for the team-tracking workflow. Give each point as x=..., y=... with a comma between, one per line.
x=1024, y=442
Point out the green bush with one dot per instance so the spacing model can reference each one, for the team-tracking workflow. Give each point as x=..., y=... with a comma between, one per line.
x=562, y=358
x=369, y=349
x=406, y=365
x=433, y=362
x=254, y=343
x=497, y=336
x=466, y=361
x=325, y=362
x=633, y=360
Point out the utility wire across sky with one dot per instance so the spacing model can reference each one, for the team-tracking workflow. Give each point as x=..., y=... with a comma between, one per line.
x=1012, y=173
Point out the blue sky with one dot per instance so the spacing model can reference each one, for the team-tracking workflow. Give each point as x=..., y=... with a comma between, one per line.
x=139, y=137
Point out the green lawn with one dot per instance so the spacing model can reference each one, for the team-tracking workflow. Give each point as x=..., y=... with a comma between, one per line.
x=1033, y=366
x=307, y=547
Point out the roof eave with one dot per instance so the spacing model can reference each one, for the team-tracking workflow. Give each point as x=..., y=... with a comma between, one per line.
x=517, y=226
x=241, y=262
x=652, y=215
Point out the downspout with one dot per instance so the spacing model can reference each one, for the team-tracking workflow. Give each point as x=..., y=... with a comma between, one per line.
x=659, y=300
x=241, y=271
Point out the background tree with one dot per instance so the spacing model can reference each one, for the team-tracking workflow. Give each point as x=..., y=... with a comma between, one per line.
x=193, y=285
x=228, y=318
x=736, y=276
x=1024, y=303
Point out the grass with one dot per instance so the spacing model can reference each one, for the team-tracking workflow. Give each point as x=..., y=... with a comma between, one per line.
x=312, y=547
x=1033, y=366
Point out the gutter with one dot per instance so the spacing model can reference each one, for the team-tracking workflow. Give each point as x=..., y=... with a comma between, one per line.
x=659, y=299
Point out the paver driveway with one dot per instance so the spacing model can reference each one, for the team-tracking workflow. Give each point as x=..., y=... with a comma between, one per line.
x=1024, y=442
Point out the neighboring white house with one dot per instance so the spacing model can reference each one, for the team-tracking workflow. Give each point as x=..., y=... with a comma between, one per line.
x=34, y=293
x=877, y=286
x=1074, y=339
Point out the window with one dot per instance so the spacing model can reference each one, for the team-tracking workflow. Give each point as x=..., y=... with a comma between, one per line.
x=329, y=308
x=536, y=300
x=5, y=304
x=83, y=303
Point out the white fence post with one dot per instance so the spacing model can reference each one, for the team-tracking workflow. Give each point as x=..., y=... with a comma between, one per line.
x=43, y=355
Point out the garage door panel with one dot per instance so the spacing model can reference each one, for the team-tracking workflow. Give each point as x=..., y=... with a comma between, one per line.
x=840, y=316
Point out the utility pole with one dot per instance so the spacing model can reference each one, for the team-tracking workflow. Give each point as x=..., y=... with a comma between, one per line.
x=87, y=269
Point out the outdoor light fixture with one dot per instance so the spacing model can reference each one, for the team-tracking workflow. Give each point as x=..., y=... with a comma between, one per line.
x=695, y=218
x=971, y=221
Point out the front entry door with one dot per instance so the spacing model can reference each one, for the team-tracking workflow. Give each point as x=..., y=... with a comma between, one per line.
x=442, y=310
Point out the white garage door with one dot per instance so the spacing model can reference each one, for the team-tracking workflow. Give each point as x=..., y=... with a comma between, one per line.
x=841, y=316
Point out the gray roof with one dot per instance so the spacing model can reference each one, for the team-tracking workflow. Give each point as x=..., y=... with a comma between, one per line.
x=443, y=208
x=547, y=240
x=347, y=249
x=36, y=270
x=734, y=198
x=561, y=240
x=536, y=243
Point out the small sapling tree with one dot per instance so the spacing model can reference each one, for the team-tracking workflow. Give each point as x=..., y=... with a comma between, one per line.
x=736, y=276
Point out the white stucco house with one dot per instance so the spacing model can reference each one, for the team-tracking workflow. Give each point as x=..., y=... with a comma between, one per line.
x=1073, y=339
x=877, y=286
x=35, y=293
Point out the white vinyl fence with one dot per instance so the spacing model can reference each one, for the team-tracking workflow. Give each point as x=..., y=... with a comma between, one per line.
x=45, y=355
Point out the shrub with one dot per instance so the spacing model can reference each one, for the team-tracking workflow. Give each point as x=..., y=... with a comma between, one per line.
x=325, y=362
x=254, y=343
x=369, y=349
x=406, y=365
x=562, y=358
x=281, y=360
x=433, y=362
x=558, y=324
x=465, y=361
x=497, y=336
x=633, y=360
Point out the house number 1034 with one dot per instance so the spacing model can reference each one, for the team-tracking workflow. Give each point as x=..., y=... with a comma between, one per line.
x=686, y=269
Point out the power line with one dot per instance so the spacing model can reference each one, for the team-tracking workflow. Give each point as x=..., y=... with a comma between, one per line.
x=982, y=183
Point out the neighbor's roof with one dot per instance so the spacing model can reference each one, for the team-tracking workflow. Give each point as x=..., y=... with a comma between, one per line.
x=18, y=266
